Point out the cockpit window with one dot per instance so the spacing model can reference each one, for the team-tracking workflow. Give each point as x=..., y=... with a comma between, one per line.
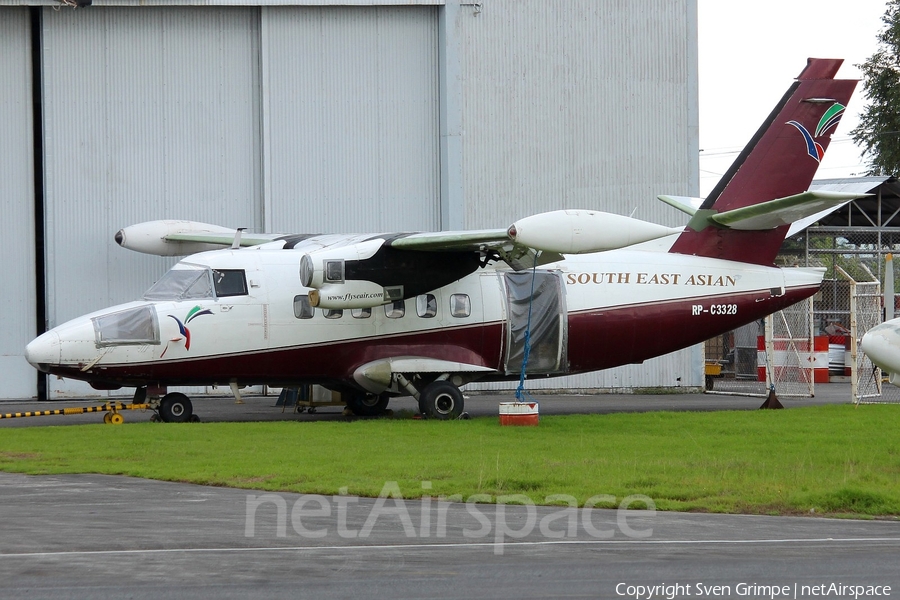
x=133, y=326
x=182, y=284
x=230, y=282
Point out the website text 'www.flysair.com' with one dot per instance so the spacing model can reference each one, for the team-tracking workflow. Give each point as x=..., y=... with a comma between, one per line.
x=348, y=296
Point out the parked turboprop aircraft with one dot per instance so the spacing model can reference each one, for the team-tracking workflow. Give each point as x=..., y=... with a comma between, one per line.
x=380, y=315
x=882, y=345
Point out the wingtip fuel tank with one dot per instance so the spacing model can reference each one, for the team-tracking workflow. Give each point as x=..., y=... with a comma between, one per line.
x=151, y=237
x=583, y=231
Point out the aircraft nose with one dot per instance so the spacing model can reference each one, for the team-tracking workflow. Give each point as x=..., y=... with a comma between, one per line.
x=43, y=351
x=882, y=345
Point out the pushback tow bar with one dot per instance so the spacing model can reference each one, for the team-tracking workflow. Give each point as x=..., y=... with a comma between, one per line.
x=112, y=409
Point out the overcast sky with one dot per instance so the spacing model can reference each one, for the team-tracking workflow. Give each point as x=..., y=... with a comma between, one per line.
x=750, y=51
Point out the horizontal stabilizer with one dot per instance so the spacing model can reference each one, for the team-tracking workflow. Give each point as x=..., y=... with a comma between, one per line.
x=685, y=204
x=782, y=211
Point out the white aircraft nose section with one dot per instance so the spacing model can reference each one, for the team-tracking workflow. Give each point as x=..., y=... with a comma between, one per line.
x=43, y=351
x=882, y=345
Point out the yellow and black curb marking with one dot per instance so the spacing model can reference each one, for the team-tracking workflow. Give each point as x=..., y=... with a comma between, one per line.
x=110, y=408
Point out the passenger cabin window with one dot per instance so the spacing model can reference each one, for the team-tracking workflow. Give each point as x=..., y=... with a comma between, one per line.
x=460, y=305
x=230, y=282
x=361, y=313
x=395, y=310
x=334, y=313
x=426, y=306
x=302, y=308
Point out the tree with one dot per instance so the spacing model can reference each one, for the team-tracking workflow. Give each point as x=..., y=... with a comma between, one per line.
x=878, y=132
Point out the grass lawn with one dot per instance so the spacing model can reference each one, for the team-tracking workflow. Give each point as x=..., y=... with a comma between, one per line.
x=837, y=460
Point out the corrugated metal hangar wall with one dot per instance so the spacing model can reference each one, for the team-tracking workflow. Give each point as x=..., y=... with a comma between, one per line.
x=312, y=117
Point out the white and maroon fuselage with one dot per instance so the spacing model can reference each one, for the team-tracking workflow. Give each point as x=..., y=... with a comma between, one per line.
x=619, y=307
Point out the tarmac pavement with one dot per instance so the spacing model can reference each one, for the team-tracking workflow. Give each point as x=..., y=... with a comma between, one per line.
x=97, y=536
x=263, y=408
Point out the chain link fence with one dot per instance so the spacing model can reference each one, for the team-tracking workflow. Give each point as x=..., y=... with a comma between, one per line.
x=775, y=351
x=867, y=381
x=731, y=362
x=854, y=259
x=789, y=357
x=814, y=341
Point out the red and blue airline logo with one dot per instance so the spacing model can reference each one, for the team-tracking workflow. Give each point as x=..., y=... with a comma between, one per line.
x=831, y=118
x=182, y=327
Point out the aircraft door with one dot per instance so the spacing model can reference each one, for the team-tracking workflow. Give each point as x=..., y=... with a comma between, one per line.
x=542, y=294
x=241, y=303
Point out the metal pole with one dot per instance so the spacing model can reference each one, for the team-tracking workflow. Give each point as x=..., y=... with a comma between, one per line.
x=811, y=345
x=854, y=382
x=770, y=352
x=888, y=287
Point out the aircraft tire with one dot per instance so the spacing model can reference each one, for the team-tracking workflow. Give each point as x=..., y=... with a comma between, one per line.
x=441, y=400
x=175, y=408
x=367, y=405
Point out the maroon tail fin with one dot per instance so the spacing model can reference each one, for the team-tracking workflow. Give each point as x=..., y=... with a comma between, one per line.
x=781, y=160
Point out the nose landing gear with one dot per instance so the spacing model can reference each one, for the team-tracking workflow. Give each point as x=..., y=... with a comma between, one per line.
x=175, y=407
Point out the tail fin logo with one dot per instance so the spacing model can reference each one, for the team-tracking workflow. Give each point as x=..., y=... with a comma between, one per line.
x=830, y=119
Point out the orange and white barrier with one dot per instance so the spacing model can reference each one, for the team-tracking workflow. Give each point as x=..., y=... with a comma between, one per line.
x=785, y=351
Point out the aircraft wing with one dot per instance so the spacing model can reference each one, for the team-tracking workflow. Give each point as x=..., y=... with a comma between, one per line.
x=570, y=231
x=493, y=242
x=362, y=271
x=442, y=241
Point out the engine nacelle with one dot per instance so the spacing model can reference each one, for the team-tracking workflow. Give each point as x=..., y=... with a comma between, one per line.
x=370, y=273
x=150, y=237
x=328, y=266
x=583, y=231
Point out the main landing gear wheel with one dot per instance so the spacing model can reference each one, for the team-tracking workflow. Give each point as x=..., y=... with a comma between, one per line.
x=367, y=405
x=441, y=400
x=175, y=408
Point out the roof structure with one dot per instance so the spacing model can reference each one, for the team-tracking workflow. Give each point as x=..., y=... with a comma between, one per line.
x=882, y=209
